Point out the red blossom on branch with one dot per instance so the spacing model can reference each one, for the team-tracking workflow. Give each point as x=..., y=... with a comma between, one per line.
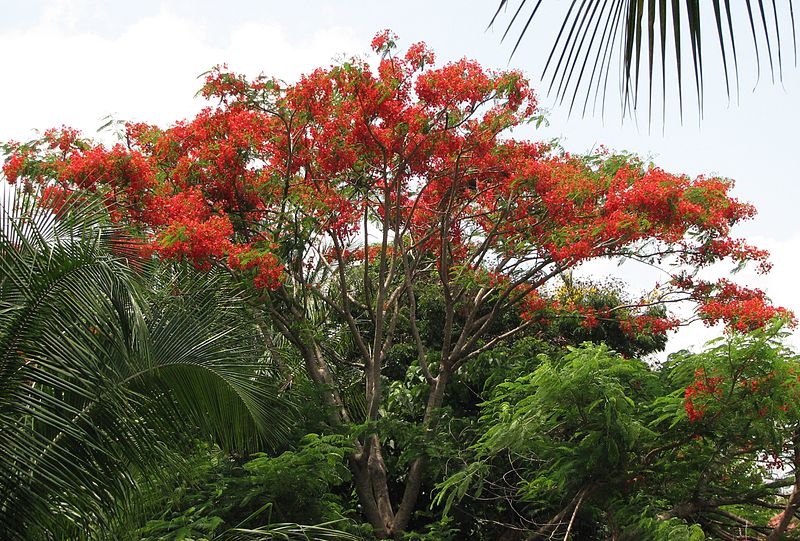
x=698, y=393
x=413, y=149
x=738, y=307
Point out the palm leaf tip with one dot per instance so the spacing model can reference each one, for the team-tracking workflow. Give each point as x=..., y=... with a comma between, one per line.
x=650, y=33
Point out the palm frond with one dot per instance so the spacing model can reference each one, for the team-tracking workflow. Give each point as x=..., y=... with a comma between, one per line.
x=293, y=532
x=649, y=33
x=103, y=375
x=207, y=354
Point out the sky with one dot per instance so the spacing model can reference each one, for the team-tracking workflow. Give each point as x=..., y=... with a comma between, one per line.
x=75, y=62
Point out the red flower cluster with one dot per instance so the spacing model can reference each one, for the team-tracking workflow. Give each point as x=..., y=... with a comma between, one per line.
x=418, y=55
x=14, y=165
x=54, y=198
x=383, y=41
x=189, y=229
x=650, y=324
x=202, y=243
x=63, y=139
x=534, y=305
x=98, y=166
x=697, y=394
x=738, y=307
x=267, y=271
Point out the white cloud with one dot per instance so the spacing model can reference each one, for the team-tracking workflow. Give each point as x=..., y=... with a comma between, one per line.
x=148, y=72
x=68, y=13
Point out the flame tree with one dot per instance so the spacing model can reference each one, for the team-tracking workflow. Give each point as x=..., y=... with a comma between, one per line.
x=346, y=193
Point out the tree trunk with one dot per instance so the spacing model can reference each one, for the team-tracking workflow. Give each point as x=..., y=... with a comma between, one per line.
x=794, y=499
x=366, y=463
x=552, y=526
x=321, y=375
x=371, y=476
x=414, y=480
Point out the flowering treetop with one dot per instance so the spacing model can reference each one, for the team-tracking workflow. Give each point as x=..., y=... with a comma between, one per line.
x=288, y=184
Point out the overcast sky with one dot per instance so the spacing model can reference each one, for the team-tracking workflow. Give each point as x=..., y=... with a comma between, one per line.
x=74, y=62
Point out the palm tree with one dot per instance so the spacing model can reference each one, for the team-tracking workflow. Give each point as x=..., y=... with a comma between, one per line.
x=648, y=35
x=105, y=373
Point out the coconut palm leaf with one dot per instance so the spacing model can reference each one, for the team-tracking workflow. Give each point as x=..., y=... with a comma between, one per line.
x=103, y=375
x=648, y=36
x=293, y=532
